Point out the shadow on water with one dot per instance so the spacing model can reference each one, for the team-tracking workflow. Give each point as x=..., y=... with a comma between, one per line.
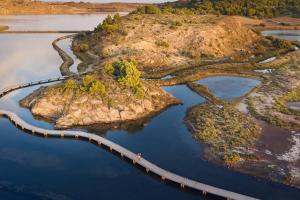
x=34, y=168
x=166, y=141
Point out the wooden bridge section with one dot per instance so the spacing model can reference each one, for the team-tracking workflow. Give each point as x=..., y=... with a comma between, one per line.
x=123, y=152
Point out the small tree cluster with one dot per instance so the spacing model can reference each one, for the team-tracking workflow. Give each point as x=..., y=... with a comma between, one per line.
x=92, y=85
x=257, y=8
x=109, y=25
x=149, y=9
x=127, y=74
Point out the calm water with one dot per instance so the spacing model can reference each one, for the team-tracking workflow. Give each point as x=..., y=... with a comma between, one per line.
x=36, y=168
x=53, y=22
x=228, y=87
x=293, y=35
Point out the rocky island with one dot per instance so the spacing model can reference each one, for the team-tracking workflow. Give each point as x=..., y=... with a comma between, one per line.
x=110, y=95
x=129, y=58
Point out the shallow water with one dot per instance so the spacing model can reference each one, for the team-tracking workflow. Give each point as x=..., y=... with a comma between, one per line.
x=54, y=22
x=294, y=105
x=66, y=46
x=229, y=87
x=37, y=168
x=293, y=35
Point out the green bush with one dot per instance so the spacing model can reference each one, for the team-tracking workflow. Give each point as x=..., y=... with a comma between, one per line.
x=109, y=69
x=109, y=25
x=70, y=85
x=84, y=47
x=127, y=73
x=98, y=88
x=93, y=86
x=87, y=82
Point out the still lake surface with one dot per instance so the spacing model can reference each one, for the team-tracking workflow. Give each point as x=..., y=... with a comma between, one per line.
x=56, y=169
x=293, y=35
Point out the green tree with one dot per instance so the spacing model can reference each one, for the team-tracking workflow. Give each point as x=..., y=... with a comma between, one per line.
x=117, y=18
x=87, y=82
x=127, y=73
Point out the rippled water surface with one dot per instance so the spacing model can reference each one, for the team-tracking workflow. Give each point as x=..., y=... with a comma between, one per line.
x=37, y=168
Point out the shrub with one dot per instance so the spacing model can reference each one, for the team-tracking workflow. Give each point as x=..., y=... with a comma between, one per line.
x=232, y=159
x=70, y=85
x=87, y=83
x=162, y=43
x=105, y=53
x=109, y=25
x=282, y=44
x=93, y=86
x=109, y=69
x=127, y=73
x=98, y=88
x=116, y=18
x=84, y=47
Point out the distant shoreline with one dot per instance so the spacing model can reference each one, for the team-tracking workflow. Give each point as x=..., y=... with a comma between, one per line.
x=56, y=8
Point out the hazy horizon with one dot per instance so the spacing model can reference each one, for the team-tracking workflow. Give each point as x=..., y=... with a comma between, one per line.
x=109, y=1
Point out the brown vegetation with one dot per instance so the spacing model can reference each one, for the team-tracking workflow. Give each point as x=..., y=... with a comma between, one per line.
x=28, y=7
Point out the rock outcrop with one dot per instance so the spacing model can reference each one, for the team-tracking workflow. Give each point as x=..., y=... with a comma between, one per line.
x=73, y=109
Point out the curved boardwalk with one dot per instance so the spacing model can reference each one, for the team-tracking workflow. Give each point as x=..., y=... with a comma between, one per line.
x=135, y=158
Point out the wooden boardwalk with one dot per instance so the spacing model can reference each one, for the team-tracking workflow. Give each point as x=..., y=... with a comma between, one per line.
x=123, y=152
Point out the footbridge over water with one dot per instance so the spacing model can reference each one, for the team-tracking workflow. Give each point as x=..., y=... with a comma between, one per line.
x=135, y=158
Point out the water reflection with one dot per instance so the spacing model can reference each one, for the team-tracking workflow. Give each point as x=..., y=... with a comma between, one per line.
x=36, y=168
x=229, y=87
x=24, y=58
x=54, y=22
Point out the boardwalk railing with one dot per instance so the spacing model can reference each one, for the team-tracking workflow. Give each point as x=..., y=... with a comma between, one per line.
x=135, y=158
